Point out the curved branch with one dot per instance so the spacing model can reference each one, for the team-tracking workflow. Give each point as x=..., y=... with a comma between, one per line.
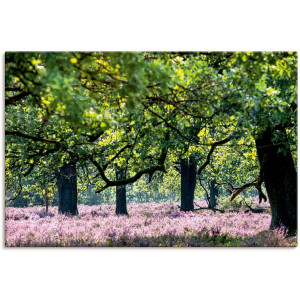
x=235, y=191
x=212, y=149
x=30, y=137
x=151, y=170
x=117, y=155
x=29, y=170
x=132, y=179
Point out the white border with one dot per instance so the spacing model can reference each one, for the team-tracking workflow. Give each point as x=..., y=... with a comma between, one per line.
x=146, y=273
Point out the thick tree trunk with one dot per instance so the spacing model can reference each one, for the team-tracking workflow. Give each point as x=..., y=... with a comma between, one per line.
x=67, y=188
x=214, y=193
x=188, y=183
x=280, y=177
x=121, y=207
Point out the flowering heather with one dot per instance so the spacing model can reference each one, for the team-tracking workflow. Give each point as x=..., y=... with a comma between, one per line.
x=148, y=225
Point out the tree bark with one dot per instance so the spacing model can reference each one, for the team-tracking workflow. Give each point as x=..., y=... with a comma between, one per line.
x=171, y=197
x=67, y=188
x=121, y=206
x=147, y=197
x=280, y=177
x=188, y=183
x=46, y=198
x=214, y=193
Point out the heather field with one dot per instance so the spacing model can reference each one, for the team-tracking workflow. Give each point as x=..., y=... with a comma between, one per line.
x=148, y=225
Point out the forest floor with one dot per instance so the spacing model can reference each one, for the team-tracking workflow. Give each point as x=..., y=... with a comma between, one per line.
x=148, y=225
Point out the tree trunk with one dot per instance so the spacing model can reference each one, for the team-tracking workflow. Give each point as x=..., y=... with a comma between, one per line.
x=280, y=177
x=214, y=193
x=121, y=208
x=147, y=197
x=46, y=198
x=188, y=183
x=170, y=197
x=67, y=188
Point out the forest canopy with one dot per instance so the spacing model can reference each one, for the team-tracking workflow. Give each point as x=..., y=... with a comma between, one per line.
x=178, y=122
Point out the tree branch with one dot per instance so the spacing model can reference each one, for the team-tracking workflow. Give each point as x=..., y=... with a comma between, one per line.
x=166, y=122
x=12, y=100
x=151, y=170
x=235, y=191
x=30, y=137
x=212, y=149
x=207, y=195
x=116, y=156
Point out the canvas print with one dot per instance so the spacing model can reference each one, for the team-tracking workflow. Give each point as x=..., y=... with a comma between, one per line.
x=151, y=149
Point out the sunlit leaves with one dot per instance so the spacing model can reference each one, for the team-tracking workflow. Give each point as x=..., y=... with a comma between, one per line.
x=96, y=103
x=73, y=60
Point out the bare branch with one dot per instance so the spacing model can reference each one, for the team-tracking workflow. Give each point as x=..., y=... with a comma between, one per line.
x=235, y=191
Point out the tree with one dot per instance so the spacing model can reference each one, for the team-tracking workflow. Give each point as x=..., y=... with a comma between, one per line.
x=280, y=177
x=272, y=78
x=257, y=94
x=144, y=111
x=45, y=84
x=121, y=208
x=67, y=188
x=188, y=183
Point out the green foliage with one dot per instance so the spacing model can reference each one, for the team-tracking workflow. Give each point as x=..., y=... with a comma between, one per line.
x=118, y=108
x=239, y=203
